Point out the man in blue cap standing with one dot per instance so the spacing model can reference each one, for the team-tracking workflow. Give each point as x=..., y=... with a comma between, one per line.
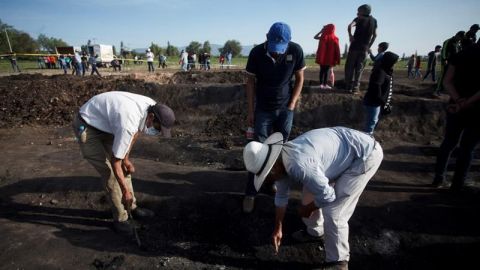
x=271, y=93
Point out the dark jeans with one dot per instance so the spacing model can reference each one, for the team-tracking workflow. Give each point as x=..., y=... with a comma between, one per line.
x=353, y=69
x=266, y=123
x=324, y=74
x=469, y=136
x=84, y=68
x=95, y=70
x=150, y=67
x=443, y=71
x=430, y=71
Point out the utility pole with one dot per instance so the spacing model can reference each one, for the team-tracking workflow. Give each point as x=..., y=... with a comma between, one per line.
x=8, y=40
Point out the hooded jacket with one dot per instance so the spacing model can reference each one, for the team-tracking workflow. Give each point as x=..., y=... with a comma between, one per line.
x=328, y=52
x=379, y=83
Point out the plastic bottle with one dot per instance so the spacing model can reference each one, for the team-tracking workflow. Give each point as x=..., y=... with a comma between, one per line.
x=82, y=134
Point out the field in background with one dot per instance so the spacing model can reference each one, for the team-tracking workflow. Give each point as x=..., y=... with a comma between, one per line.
x=238, y=62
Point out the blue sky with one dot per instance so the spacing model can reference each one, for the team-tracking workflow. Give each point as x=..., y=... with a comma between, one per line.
x=408, y=25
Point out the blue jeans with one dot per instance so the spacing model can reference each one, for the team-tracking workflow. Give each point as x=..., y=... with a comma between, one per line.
x=469, y=136
x=371, y=118
x=266, y=123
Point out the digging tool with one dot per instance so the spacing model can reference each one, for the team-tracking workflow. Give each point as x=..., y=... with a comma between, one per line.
x=139, y=243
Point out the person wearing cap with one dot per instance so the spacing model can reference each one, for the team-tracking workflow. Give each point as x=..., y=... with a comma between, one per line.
x=107, y=127
x=271, y=94
x=150, y=56
x=432, y=63
x=334, y=165
x=360, y=42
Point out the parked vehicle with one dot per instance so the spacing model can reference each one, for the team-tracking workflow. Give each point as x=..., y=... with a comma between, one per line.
x=104, y=54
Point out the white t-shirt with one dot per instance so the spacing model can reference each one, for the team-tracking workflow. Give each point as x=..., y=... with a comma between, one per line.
x=184, y=57
x=121, y=114
x=150, y=57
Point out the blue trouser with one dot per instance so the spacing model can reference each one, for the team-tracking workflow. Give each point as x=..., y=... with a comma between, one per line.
x=372, y=114
x=266, y=123
x=469, y=135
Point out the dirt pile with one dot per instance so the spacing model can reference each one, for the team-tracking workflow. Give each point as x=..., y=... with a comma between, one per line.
x=214, y=107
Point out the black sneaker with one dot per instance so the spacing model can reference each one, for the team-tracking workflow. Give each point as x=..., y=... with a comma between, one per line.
x=142, y=213
x=123, y=227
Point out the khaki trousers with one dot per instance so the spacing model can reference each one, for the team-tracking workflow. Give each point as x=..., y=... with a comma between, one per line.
x=97, y=150
x=332, y=220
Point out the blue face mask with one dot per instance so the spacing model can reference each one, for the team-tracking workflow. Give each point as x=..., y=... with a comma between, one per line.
x=151, y=131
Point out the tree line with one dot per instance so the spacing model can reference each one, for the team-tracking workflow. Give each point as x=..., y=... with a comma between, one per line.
x=24, y=43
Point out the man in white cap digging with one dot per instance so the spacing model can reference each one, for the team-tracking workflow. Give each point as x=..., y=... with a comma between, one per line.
x=106, y=127
x=334, y=165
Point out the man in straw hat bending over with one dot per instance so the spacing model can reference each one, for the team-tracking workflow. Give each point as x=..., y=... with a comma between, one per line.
x=334, y=165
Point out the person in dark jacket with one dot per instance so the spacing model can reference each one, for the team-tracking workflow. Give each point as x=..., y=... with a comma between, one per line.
x=451, y=47
x=462, y=128
x=432, y=63
x=379, y=89
x=470, y=36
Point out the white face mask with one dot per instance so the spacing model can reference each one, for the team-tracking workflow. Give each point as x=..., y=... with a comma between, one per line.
x=152, y=131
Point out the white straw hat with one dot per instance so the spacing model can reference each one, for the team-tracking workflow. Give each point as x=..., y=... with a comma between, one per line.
x=260, y=157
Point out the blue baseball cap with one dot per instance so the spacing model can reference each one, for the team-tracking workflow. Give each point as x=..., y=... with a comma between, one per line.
x=278, y=37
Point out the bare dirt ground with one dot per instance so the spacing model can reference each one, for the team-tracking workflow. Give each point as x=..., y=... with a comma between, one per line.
x=53, y=214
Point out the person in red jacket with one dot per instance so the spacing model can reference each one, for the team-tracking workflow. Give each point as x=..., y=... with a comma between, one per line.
x=328, y=52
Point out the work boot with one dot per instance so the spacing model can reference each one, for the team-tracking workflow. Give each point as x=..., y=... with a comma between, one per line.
x=142, y=213
x=303, y=236
x=123, y=227
x=248, y=204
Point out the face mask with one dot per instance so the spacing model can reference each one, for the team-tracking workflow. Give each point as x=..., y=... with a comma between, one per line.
x=152, y=131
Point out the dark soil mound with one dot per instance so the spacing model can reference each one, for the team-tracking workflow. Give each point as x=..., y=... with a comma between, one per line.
x=215, y=107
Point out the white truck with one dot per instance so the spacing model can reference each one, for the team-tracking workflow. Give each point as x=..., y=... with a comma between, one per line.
x=104, y=53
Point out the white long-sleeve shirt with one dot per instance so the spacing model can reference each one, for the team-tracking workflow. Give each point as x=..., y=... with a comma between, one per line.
x=150, y=56
x=318, y=157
